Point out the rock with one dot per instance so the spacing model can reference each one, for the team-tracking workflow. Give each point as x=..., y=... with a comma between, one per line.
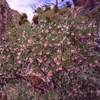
x=8, y=18
x=15, y=17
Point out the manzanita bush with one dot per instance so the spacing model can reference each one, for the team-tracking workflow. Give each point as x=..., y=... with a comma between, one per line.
x=51, y=61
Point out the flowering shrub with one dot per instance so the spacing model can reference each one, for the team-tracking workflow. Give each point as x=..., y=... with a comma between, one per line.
x=55, y=60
